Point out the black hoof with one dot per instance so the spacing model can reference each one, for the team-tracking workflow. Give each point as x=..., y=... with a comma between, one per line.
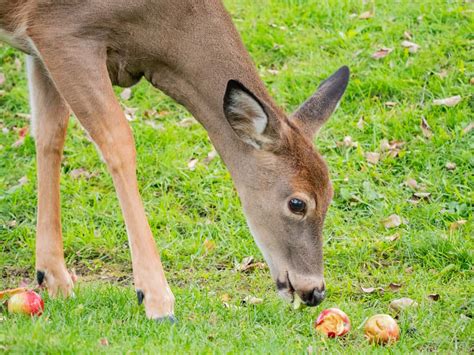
x=140, y=296
x=40, y=277
x=170, y=319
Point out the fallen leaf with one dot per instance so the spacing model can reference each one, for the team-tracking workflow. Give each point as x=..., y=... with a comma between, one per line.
x=210, y=157
x=21, y=137
x=26, y=116
x=409, y=270
x=2, y=78
x=422, y=195
x=391, y=103
x=392, y=221
x=251, y=300
x=393, y=237
x=433, y=296
x=449, y=101
x=468, y=128
x=443, y=74
x=392, y=147
x=412, y=47
x=368, y=289
x=455, y=225
x=104, y=342
x=225, y=297
x=209, y=245
x=192, y=164
x=407, y=35
x=273, y=71
x=361, y=123
x=126, y=94
x=425, y=128
x=382, y=53
x=150, y=113
x=394, y=286
x=248, y=264
x=81, y=173
x=402, y=304
x=412, y=183
x=366, y=15
x=450, y=165
x=12, y=223
x=372, y=157
x=187, y=122
x=155, y=125
x=130, y=113
x=347, y=142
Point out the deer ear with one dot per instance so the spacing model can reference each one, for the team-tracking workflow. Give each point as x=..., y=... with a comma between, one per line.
x=317, y=109
x=246, y=115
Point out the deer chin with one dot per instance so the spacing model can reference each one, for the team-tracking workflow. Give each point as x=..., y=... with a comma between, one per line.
x=286, y=289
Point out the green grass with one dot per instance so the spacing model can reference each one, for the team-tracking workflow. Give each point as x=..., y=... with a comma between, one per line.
x=305, y=42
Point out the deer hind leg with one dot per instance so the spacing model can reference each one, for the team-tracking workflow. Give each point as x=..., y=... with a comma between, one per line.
x=50, y=116
x=80, y=74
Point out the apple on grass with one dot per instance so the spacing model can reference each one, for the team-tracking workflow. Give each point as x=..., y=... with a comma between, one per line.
x=332, y=322
x=381, y=329
x=27, y=302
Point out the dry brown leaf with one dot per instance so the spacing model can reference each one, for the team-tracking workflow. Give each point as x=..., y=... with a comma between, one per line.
x=382, y=53
x=104, y=342
x=155, y=125
x=468, y=128
x=81, y=173
x=209, y=245
x=412, y=183
x=192, y=164
x=210, y=157
x=422, y=195
x=225, y=297
x=433, y=296
x=409, y=270
x=130, y=113
x=372, y=157
x=368, y=289
x=2, y=78
x=248, y=264
x=187, y=122
x=412, y=47
x=407, y=35
x=366, y=15
x=21, y=137
x=126, y=94
x=455, y=225
x=394, y=286
x=449, y=101
x=361, y=123
x=347, y=142
x=425, y=128
x=443, y=74
x=391, y=103
x=402, y=304
x=392, y=221
x=273, y=71
x=450, y=165
x=393, y=237
x=251, y=300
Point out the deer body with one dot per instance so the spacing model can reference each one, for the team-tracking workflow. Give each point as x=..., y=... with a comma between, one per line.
x=191, y=51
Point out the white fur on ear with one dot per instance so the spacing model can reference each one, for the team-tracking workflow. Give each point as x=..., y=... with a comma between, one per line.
x=246, y=116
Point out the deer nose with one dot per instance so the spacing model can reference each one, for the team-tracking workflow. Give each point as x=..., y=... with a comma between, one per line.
x=313, y=297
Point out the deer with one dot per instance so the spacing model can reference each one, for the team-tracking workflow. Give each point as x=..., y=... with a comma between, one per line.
x=77, y=50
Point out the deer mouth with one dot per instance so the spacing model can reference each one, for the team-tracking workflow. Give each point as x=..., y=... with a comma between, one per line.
x=285, y=288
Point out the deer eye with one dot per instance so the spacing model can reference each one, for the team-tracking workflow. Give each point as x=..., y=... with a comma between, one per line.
x=297, y=206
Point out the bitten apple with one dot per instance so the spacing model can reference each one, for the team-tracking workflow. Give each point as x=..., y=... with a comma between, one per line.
x=333, y=322
x=28, y=302
x=381, y=329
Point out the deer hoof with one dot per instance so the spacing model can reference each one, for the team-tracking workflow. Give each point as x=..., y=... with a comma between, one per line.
x=170, y=319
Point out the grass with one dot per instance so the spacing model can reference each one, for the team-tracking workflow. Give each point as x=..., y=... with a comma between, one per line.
x=305, y=42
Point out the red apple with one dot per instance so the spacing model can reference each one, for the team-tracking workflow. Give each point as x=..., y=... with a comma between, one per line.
x=333, y=322
x=28, y=302
x=381, y=329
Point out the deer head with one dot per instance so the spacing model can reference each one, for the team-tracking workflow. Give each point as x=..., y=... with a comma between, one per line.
x=286, y=192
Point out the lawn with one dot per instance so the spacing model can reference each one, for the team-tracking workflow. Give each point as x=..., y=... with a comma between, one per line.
x=195, y=213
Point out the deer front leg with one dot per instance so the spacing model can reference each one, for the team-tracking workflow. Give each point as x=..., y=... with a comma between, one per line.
x=50, y=116
x=80, y=74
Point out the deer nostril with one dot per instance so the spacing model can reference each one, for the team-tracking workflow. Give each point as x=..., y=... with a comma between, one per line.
x=314, y=297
